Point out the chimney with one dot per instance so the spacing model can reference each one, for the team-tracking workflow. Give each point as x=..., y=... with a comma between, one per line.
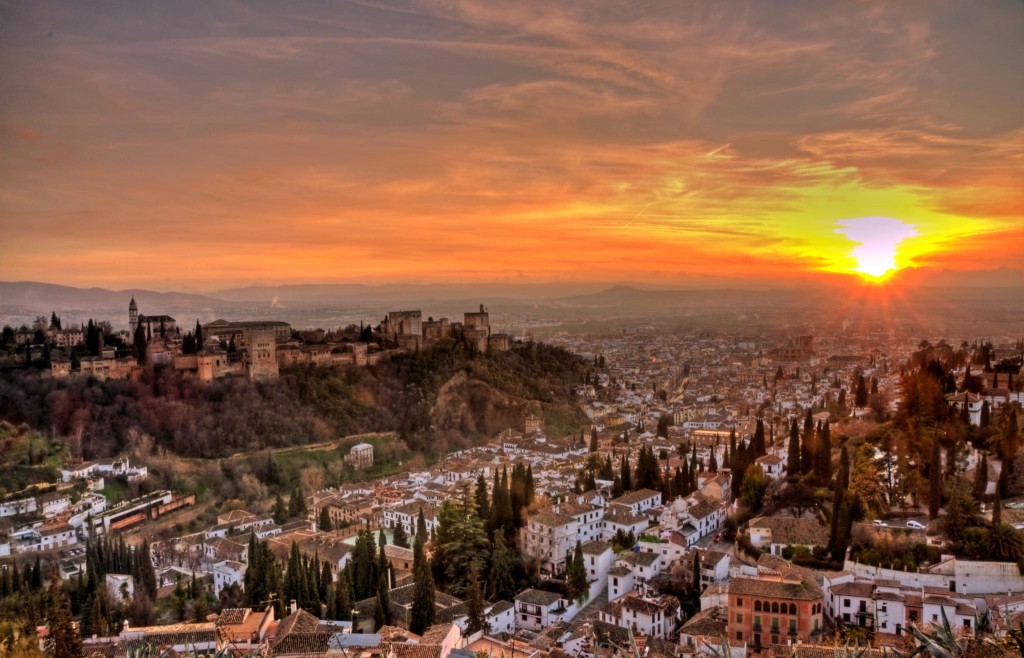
x=292, y=608
x=481, y=308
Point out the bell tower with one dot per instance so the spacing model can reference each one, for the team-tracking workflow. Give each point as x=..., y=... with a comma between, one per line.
x=133, y=315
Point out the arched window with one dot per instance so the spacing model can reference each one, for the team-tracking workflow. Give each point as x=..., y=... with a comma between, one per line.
x=757, y=606
x=775, y=606
x=792, y=608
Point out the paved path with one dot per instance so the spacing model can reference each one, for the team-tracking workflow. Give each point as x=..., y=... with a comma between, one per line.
x=589, y=611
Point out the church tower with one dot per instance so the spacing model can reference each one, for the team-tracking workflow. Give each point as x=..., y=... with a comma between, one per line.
x=133, y=315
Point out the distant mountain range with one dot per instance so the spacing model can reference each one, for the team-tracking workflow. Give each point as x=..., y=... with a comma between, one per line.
x=31, y=293
x=325, y=305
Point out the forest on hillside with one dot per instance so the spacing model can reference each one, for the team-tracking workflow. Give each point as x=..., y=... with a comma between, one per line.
x=443, y=397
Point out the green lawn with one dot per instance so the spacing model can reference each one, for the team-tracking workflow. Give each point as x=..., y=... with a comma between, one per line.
x=114, y=491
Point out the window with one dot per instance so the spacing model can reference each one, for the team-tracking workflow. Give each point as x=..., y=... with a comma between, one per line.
x=846, y=603
x=739, y=618
x=775, y=606
x=757, y=606
x=935, y=617
x=792, y=627
x=967, y=623
x=912, y=615
x=739, y=601
x=739, y=635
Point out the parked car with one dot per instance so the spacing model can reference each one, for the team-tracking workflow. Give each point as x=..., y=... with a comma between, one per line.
x=880, y=522
x=915, y=524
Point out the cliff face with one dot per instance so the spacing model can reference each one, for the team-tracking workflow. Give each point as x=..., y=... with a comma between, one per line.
x=474, y=407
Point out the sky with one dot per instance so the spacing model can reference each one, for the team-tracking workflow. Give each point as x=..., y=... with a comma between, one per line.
x=203, y=145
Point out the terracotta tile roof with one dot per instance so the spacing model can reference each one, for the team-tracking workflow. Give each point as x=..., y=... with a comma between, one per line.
x=537, y=597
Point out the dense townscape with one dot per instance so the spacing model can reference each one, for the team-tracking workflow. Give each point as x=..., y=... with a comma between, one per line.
x=674, y=494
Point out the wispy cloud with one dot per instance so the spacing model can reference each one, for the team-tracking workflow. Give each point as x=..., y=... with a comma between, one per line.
x=447, y=138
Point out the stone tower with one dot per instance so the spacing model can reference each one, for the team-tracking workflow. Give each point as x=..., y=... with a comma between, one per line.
x=261, y=349
x=133, y=315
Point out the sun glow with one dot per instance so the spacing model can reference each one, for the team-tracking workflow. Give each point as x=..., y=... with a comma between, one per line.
x=878, y=240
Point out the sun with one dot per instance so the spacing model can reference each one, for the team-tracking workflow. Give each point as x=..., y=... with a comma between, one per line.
x=877, y=243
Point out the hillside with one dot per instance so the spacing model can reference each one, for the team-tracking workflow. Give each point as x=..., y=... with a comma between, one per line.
x=440, y=398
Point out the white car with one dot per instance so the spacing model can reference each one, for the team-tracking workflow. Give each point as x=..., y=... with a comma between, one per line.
x=880, y=522
x=915, y=524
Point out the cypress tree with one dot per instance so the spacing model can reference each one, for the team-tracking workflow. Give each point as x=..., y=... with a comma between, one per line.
x=934, y=481
x=576, y=575
x=421, y=616
x=63, y=641
x=421, y=529
x=793, y=455
x=324, y=524
x=861, y=396
x=342, y=597
x=399, y=538
x=379, y=618
x=695, y=575
x=593, y=439
x=625, y=475
x=981, y=478
x=483, y=504
x=759, y=444
x=823, y=453
x=807, y=452
x=838, y=535
x=500, y=578
x=384, y=600
x=475, y=619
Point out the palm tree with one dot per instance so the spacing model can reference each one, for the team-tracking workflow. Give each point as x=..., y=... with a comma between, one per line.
x=1004, y=542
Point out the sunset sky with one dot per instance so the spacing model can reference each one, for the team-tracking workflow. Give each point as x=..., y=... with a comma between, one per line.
x=201, y=145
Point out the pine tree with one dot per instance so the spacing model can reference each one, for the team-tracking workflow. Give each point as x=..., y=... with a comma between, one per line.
x=593, y=439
